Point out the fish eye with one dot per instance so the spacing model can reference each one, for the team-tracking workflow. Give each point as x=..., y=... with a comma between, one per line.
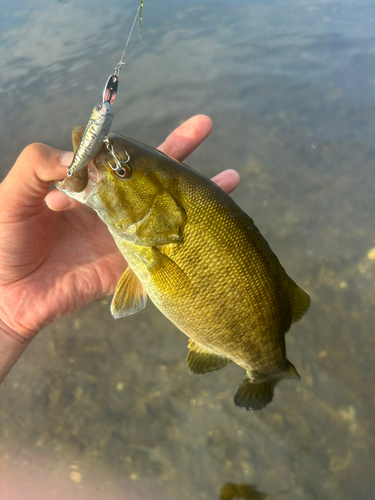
x=123, y=172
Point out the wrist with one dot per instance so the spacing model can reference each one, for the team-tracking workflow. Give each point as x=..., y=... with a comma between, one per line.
x=12, y=345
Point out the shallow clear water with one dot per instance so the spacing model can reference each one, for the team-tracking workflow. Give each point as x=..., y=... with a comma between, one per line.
x=98, y=408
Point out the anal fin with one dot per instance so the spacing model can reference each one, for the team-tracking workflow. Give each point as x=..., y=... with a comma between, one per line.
x=130, y=297
x=202, y=360
x=290, y=372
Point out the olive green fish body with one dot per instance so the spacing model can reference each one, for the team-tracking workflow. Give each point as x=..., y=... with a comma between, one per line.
x=204, y=264
x=221, y=278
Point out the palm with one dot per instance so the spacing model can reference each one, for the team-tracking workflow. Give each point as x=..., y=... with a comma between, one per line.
x=52, y=263
x=69, y=259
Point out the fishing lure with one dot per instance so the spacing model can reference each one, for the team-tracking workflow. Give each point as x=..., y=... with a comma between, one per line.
x=100, y=121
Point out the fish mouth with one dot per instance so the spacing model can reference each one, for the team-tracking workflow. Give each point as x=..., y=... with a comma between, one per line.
x=77, y=182
x=82, y=184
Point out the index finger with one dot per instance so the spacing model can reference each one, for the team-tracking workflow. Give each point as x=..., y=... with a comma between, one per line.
x=27, y=183
x=187, y=137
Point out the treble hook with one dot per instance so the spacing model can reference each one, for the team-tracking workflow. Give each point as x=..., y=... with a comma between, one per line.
x=119, y=163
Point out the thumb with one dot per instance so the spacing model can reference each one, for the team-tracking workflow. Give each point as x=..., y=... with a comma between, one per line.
x=28, y=182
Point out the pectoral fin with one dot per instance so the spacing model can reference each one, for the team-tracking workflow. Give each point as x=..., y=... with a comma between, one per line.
x=162, y=224
x=166, y=272
x=202, y=360
x=130, y=296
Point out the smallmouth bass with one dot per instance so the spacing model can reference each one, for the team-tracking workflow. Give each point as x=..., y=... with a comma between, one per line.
x=199, y=258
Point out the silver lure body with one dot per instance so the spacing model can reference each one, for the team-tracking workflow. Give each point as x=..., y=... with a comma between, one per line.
x=97, y=128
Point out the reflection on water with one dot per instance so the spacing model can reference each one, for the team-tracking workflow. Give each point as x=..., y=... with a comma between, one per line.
x=231, y=491
x=98, y=408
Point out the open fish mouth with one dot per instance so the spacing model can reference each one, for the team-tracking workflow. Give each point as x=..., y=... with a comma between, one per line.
x=82, y=184
x=76, y=182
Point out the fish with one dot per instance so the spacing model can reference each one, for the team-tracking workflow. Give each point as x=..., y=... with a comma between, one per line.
x=201, y=260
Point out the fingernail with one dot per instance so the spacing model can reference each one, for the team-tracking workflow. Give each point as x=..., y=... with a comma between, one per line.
x=66, y=158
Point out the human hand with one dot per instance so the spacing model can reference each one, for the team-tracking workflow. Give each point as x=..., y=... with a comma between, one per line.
x=56, y=255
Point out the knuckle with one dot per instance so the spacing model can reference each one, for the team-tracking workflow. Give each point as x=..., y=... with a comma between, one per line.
x=33, y=152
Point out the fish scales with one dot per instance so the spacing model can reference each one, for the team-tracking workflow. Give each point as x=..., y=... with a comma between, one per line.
x=232, y=252
x=202, y=261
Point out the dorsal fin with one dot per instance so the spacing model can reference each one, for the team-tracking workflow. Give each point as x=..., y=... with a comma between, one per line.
x=202, y=360
x=130, y=297
x=300, y=301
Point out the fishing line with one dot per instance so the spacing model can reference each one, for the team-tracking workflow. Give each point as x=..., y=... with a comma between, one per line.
x=121, y=62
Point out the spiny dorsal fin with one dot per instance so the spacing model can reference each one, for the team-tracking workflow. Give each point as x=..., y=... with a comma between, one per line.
x=130, y=296
x=202, y=360
x=254, y=396
x=300, y=301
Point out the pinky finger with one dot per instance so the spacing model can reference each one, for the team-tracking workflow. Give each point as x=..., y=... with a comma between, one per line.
x=227, y=180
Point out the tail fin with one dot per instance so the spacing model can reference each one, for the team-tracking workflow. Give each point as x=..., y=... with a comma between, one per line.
x=255, y=396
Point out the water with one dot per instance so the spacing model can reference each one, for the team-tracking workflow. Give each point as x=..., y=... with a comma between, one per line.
x=102, y=409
